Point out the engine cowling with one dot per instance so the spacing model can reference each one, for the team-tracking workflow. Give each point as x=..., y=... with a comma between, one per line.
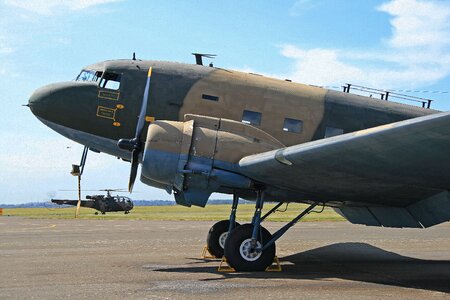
x=200, y=156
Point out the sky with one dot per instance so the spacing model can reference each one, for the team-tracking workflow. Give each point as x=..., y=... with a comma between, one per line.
x=396, y=44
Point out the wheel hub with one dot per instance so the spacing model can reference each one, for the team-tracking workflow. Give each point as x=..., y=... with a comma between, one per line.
x=248, y=251
x=222, y=239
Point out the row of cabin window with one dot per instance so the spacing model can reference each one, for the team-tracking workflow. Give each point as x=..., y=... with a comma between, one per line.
x=289, y=125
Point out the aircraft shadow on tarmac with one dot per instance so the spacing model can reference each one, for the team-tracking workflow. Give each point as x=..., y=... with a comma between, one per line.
x=349, y=261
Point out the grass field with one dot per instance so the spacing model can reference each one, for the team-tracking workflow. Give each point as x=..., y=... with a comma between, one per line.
x=176, y=212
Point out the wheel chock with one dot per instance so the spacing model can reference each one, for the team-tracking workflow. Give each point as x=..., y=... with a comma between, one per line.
x=275, y=266
x=206, y=254
x=224, y=266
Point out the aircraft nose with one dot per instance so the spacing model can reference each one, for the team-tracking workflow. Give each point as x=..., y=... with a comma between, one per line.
x=40, y=100
x=53, y=101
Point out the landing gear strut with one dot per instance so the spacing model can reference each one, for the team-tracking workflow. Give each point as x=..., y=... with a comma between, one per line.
x=218, y=233
x=251, y=247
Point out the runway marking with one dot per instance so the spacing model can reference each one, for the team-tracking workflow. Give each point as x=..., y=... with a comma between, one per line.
x=51, y=226
x=34, y=228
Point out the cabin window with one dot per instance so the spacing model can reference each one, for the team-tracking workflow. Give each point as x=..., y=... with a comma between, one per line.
x=89, y=75
x=210, y=97
x=251, y=117
x=332, y=131
x=110, y=81
x=292, y=125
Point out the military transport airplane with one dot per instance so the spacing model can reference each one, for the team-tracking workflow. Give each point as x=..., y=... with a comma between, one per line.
x=102, y=203
x=197, y=130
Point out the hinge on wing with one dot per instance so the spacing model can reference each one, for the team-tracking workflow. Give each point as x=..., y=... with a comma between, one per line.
x=279, y=157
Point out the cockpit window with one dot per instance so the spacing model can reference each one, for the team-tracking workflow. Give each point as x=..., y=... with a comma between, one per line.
x=89, y=75
x=110, y=81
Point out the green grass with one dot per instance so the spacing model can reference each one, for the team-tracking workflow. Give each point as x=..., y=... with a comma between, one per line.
x=209, y=213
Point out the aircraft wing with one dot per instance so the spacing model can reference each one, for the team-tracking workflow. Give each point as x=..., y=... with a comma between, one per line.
x=396, y=175
x=83, y=203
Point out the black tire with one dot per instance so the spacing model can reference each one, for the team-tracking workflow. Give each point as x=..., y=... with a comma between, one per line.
x=239, y=237
x=96, y=213
x=214, y=236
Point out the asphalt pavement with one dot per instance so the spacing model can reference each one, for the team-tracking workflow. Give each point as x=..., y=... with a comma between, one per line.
x=116, y=259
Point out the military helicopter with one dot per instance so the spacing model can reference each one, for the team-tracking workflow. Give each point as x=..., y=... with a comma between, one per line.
x=102, y=203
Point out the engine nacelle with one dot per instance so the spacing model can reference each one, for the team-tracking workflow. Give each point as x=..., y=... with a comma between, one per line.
x=200, y=156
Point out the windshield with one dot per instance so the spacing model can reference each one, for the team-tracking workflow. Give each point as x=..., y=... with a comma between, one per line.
x=89, y=75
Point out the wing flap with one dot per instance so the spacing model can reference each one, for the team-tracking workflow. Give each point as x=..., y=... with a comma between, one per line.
x=433, y=210
x=358, y=215
x=425, y=213
x=396, y=217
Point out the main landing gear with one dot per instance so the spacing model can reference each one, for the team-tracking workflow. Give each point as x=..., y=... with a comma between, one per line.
x=217, y=235
x=249, y=247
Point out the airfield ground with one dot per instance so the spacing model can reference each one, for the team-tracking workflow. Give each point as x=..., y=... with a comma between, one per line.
x=159, y=259
x=179, y=213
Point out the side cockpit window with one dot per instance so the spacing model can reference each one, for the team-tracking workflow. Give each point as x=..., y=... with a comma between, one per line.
x=89, y=75
x=110, y=81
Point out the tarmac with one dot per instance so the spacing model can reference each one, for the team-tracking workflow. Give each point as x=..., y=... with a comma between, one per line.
x=116, y=259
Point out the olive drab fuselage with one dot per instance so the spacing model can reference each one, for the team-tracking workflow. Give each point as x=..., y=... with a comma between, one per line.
x=222, y=116
x=179, y=89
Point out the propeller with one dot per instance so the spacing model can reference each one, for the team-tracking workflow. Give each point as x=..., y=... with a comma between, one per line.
x=135, y=145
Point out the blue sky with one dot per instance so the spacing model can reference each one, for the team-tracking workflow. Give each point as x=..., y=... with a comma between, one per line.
x=397, y=44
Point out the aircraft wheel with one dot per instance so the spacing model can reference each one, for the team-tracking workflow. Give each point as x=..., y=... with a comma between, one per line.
x=96, y=213
x=239, y=251
x=103, y=213
x=217, y=236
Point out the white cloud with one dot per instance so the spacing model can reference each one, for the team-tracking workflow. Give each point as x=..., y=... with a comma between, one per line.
x=313, y=66
x=417, y=53
x=51, y=7
x=301, y=6
x=418, y=23
x=4, y=47
x=5, y=50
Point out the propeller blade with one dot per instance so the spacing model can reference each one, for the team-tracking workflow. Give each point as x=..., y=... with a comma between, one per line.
x=134, y=168
x=135, y=145
x=141, y=121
